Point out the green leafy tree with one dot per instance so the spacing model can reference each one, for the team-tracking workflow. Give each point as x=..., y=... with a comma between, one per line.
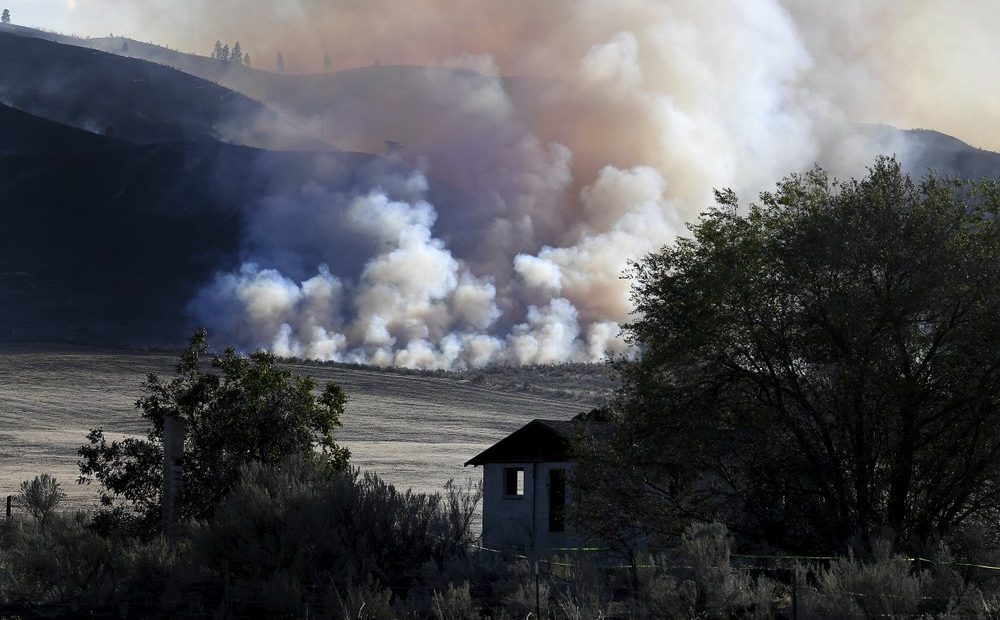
x=217, y=51
x=237, y=55
x=251, y=410
x=224, y=54
x=820, y=367
x=5, y=16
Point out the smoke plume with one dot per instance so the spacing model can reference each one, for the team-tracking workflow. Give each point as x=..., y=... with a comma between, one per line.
x=546, y=145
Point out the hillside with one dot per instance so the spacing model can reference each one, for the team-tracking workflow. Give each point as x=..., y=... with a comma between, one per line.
x=128, y=98
x=363, y=107
x=106, y=241
x=933, y=150
x=354, y=109
x=26, y=133
x=416, y=429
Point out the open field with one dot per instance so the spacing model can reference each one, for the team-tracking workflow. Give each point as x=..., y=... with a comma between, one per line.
x=415, y=429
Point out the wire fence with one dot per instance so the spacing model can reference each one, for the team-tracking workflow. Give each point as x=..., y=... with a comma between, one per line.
x=223, y=595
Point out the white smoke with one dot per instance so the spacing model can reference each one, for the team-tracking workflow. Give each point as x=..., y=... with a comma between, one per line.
x=414, y=303
x=554, y=186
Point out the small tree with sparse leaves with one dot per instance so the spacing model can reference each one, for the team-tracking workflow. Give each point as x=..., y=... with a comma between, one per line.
x=41, y=496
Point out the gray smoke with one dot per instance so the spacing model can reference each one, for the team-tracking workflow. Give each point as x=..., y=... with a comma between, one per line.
x=551, y=184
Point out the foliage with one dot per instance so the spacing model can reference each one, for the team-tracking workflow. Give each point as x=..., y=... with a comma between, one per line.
x=5, y=16
x=885, y=586
x=455, y=603
x=366, y=601
x=252, y=410
x=67, y=570
x=818, y=368
x=303, y=518
x=63, y=563
x=41, y=496
x=236, y=55
x=718, y=589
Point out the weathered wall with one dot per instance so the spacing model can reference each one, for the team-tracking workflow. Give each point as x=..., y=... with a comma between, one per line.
x=520, y=521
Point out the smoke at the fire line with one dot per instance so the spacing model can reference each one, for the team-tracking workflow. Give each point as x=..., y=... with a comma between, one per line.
x=580, y=135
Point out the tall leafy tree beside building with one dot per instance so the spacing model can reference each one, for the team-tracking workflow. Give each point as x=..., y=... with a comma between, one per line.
x=819, y=367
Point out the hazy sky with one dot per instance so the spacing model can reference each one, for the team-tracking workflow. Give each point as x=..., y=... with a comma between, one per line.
x=84, y=17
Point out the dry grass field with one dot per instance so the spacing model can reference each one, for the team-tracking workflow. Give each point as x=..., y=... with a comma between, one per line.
x=415, y=429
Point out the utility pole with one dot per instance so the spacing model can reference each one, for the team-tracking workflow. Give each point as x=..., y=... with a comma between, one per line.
x=173, y=474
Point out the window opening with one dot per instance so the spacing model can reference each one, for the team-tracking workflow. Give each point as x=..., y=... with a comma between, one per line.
x=513, y=485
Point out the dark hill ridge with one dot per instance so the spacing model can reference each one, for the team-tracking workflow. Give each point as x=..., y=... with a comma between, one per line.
x=127, y=98
x=933, y=150
x=356, y=109
x=27, y=133
x=110, y=244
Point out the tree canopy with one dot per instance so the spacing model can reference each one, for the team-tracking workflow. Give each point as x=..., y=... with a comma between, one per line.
x=250, y=411
x=820, y=367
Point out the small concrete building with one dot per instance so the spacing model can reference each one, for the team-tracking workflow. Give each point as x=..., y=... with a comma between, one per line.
x=526, y=488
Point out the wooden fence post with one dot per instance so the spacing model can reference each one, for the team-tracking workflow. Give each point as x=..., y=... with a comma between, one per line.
x=538, y=602
x=795, y=594
x=173, y=474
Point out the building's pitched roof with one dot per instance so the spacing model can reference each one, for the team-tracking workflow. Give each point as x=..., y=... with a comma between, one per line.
x=535, y=442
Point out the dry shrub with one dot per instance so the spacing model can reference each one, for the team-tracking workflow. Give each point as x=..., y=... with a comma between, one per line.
x=884, y=586
x=367, y=601
x=63, y=563
x=721, y=590
x=41, y=496
x=455, y=604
